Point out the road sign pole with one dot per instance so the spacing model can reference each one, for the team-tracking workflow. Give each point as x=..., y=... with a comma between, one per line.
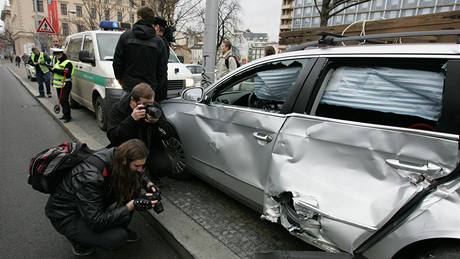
x=36, y=39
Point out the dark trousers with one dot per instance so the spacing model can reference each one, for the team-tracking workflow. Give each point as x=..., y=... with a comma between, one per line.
x=43, y=78
x=77, y=231
x=64, y=99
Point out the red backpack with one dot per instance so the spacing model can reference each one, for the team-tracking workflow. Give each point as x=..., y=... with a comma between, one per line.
x=47, y=168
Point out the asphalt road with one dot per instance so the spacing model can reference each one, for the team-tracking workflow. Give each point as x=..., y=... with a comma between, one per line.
x=25, y=232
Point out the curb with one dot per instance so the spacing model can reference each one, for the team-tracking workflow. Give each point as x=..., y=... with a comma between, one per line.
x=182, y=233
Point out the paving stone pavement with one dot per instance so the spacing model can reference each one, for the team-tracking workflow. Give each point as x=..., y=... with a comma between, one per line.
x=232, y=223
x=235, y=225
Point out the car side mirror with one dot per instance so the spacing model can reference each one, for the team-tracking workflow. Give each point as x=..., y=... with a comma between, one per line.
x=84, y=57
x=195, y=94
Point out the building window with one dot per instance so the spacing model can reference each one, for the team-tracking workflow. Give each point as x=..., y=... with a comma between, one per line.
x=349, y=18
x=307, y=11
x=131, y=18
x=445, y=8
x=427, y=3
x=315, y=22
x=142, y=3
x=65, y=28
x=364, y=6
x=425, y=11
x=378, y=4
x=408, y=12
x=79, y=11
x=393, y=4
x=392, y=14
x=362, y=16
x=376, y=15
x=298, y=12
x=446, y=1
x=39, y=5
x=119, y=16
x=306, y=22
x=80, y=28
x=298, y=3
x=64, y=9
x=297, y=23
x=338, y=19
x=410, y=3
x=107, y=15
x=93, y=13
x=307, y=2
x=131, y=3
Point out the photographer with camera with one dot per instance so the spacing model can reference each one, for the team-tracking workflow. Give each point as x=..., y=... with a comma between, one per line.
x=93, y=205
x=138, y=116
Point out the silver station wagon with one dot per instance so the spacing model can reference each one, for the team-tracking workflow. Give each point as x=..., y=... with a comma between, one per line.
x=353, y=149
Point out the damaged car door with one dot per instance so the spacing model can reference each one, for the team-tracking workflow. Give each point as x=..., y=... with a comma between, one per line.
x=369, y=141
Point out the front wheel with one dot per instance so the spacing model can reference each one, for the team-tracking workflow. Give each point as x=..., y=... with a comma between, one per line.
x=176, y=154
x=99, y=110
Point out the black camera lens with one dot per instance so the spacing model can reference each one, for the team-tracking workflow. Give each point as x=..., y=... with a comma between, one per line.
x=153, y=111
x=158, y=208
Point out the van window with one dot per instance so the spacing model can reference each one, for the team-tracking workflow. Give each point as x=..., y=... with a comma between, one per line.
x=88, y=45
x=107, y=42
x=74, y=48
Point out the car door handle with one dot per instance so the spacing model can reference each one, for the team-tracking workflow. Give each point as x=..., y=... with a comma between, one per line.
x=262, y=136
x=426, y=168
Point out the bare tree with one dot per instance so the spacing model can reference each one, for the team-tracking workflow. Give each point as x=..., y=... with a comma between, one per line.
x=8, y=37
x=330, y=8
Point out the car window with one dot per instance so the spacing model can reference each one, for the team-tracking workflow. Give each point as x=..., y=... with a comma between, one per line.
x=393, y=96
x=88, y=45
x=264, y=87
x=107, y=43
x=74, y=48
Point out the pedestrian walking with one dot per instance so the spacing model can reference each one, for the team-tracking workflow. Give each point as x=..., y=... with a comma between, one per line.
x=226, y=62
x=25, y=58
x=62, y=80
x=41, y=61
x=18, y=61
x=93, y=205
x=141, y=56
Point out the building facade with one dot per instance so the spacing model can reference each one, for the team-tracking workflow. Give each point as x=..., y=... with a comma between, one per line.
x=73, y=15
x=298, y=14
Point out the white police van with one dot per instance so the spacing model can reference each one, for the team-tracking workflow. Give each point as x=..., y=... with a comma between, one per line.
x=91, y=53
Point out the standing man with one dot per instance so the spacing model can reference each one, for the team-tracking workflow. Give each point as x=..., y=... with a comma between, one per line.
x=141, y=56
x=62, y=81
x=41, y=61
x=226, y=62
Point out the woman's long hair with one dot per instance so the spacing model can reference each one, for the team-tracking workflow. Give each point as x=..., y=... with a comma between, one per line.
x=126, y=184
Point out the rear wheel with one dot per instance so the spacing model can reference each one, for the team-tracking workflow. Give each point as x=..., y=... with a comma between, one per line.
x=176, y=153
x=99, y=110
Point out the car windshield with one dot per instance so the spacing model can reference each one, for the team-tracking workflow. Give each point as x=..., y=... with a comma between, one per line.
x=107, y=43
x=172, y=57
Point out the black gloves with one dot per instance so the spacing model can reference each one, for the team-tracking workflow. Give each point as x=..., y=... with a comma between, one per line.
x=143, y=202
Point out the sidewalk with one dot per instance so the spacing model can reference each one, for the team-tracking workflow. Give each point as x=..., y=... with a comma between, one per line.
x=199, y=221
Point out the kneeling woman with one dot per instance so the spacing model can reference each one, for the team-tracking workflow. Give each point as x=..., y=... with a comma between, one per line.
x=93, y=204
x=62, y=81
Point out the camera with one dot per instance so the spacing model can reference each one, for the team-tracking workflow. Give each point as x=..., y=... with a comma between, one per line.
x=153, y=111
x=156, y=196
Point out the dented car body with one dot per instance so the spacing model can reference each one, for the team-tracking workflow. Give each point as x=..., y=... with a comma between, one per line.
x=351, y=149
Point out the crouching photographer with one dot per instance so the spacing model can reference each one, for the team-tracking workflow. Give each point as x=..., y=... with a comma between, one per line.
x=138, y=116
x=93, y=205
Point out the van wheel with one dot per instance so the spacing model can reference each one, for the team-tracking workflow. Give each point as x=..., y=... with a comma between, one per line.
x=176, y=153
x=99, y=110
x=73, y=103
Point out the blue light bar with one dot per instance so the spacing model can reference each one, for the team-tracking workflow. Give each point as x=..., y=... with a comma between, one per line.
x=109, y=25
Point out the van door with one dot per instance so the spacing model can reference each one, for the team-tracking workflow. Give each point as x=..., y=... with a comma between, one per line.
x=73, y=48
x=87, y=73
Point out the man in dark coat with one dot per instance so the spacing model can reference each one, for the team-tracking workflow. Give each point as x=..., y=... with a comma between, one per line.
x=141, y=56
x=128, y=120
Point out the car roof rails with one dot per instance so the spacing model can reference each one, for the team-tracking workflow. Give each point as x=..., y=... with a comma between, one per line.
x=330, y=39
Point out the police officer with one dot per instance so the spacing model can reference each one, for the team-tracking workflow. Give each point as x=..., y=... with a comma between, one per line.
x=62, y=81
x=41, y=61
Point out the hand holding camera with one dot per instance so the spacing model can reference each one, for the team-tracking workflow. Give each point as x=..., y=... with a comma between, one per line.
x=144, y=202
x=156, y=195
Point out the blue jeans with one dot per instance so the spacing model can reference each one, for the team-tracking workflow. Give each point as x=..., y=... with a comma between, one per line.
x=43, y=78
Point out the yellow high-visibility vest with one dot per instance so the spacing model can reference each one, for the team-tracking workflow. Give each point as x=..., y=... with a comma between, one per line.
x=41, y=62
x=59, y=80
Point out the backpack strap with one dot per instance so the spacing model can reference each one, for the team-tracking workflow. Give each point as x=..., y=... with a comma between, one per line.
x=99, y=164
x=227, y=63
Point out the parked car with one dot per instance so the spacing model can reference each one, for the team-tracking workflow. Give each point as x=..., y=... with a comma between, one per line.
x=94, y=84
x=30, y=71
x=352, y=149
x=196, y=73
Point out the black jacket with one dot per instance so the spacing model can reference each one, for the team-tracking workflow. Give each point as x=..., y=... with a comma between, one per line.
x=141, y=56
x=122, y=127
x=85, y=193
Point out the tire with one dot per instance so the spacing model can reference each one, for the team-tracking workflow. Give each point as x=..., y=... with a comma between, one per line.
x=100, y=113
x=176, y=154
x=446, y=249
x=73, y=103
